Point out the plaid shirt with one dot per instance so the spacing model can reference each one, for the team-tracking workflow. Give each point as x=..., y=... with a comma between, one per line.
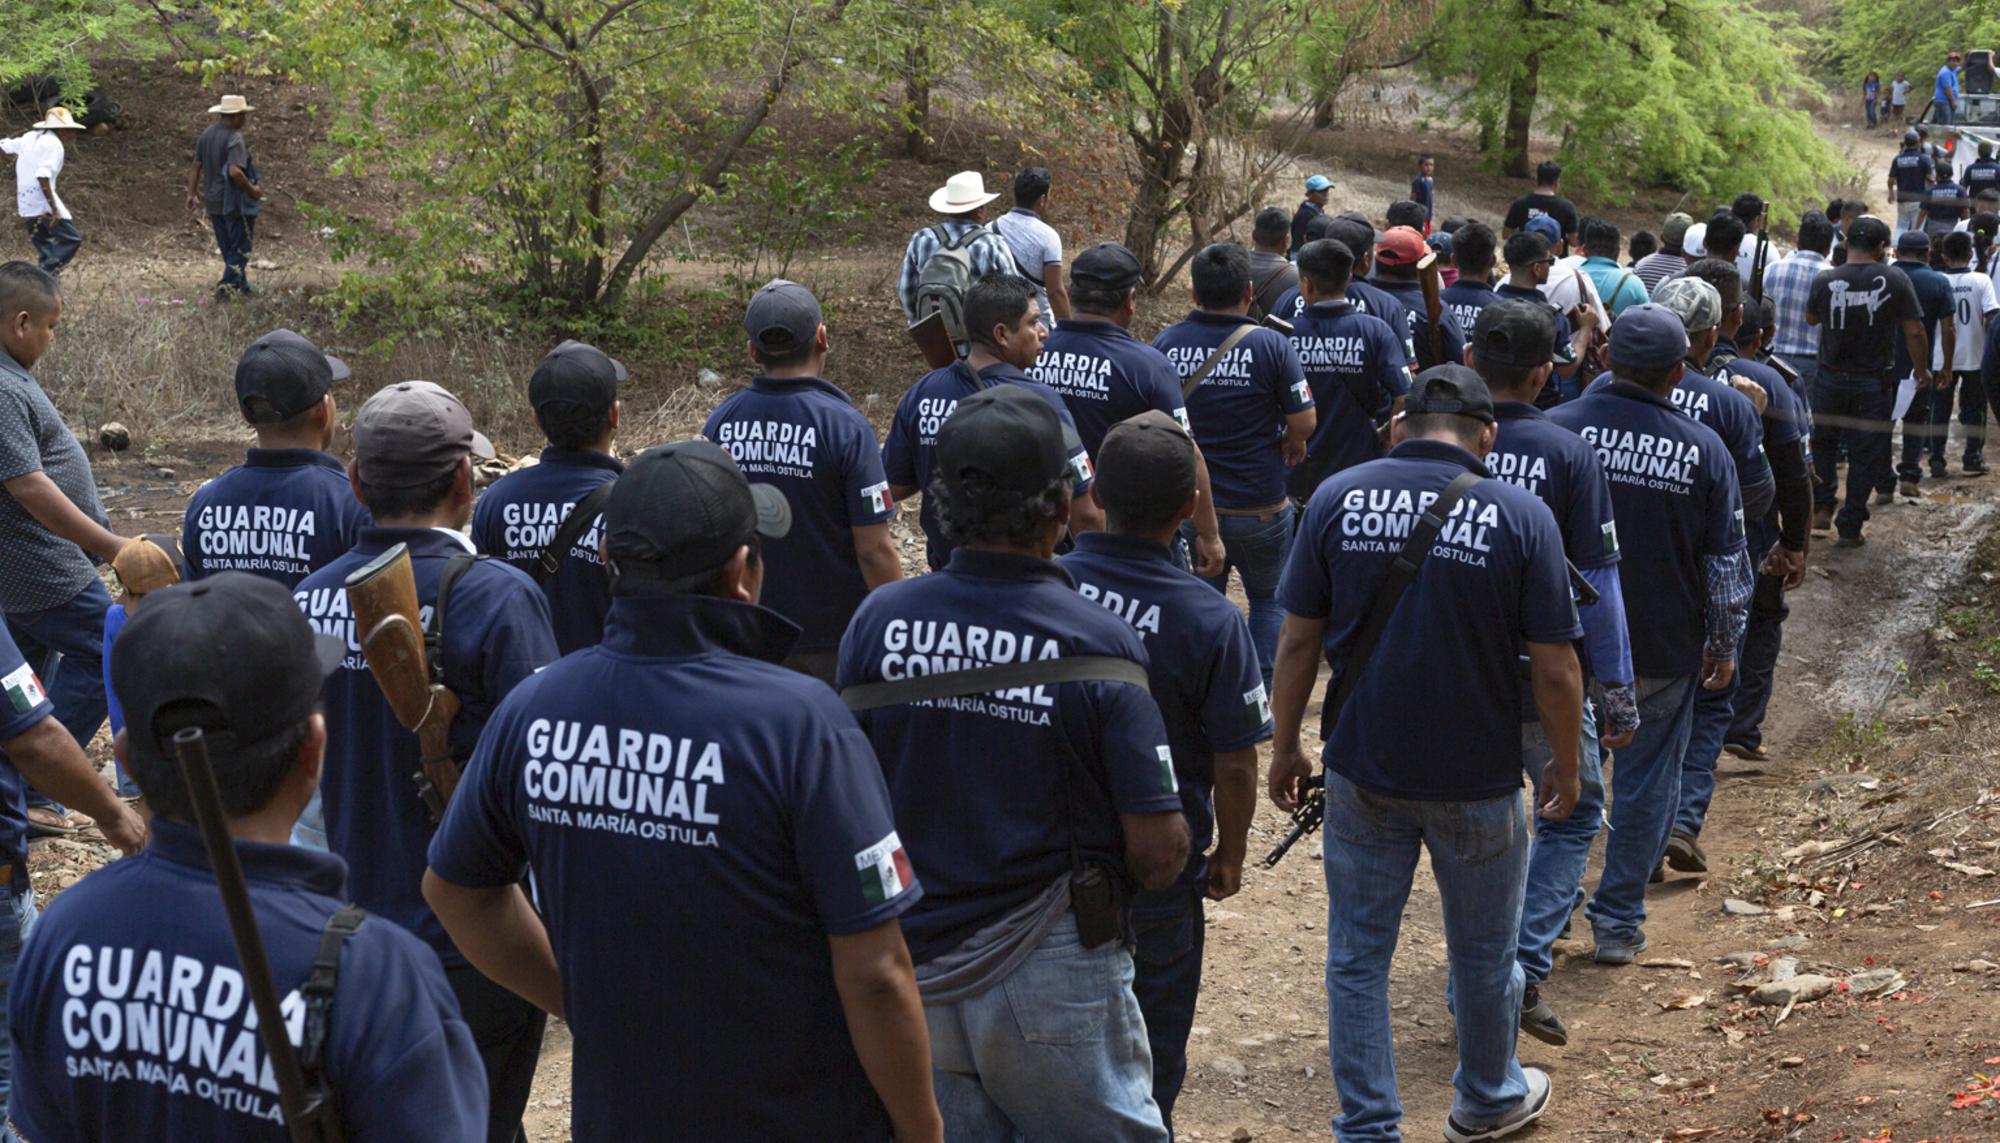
x=990, y=255
x=1788, y=283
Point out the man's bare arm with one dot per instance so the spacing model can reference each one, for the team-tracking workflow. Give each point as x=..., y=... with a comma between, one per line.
x=875, y=551
x=885, y=1020
x=40, y=497
x=500, y=934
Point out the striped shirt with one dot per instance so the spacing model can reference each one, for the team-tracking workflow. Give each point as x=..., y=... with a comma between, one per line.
x=1788, y=283
x=1657, y=267
x=990, y=255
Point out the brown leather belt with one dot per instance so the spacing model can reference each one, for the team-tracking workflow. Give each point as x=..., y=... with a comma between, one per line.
x=7, y=874
x=1262, y=515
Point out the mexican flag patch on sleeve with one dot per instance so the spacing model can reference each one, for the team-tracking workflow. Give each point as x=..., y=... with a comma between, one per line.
x=885, y=870
x=875, y=499
x=1167, y=779
x=24, y=690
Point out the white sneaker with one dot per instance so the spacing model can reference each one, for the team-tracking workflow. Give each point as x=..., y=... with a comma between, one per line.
x=1524, y=1114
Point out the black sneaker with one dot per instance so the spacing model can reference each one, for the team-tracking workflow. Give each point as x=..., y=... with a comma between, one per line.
x=1975, y=467
x=1885, y=497
x=1822, y=520
x=1529, y=1110
x=1684, y=854
x=1909, y=489
x=1540, y=1021
x=1659, y=874
x=1853, y=541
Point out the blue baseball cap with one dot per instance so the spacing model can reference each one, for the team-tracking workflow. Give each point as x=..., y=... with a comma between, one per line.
x=1318, y=183
x=1547, y=227
x=1648, y=336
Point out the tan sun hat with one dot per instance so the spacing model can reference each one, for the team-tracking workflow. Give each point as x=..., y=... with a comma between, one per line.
x=961, y=192
x=148, y=563
x=231, y=105
x=59, y=120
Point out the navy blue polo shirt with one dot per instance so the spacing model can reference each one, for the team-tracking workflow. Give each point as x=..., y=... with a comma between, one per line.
x=983, y=784
x=803, y=435
x=1105, y=375
x=1238, y=411
x=1555, y=464
x=283, y=514
x=1983, y=174
x=1674, y=492
x=128, y=1008
x=1947, y=205
x=1784, y=419
x=518, y=519
x=1355, y=365
x=1494, y=578
x=24, y=703
x=1934, y=304
x=1203, y=665
x=1366, y=298
x=1464, y=299
x=1911, y=171
x=496, y=634
x=1410, y=295
x=1718, y=405
x=909, y=452
x=699, y=821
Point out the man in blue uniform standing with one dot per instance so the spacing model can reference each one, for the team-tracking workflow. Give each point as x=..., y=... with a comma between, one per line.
x=1680, y=518
x=685, y=802
x=1353, y=363
x=1910, y=179
x=1398, y=778
x=1936, y=304
x=1206, y=678
x=801, y=434
x=1474, y=248
x=574, y=392
x=287, y=510
x=1031, y=808
x=1400, y=259
x=1318, y=189
x=1105, y=375
x=1004, y=326
x=1513, y=347
x=136, y=942
x=413, y=449
x=1252, y=412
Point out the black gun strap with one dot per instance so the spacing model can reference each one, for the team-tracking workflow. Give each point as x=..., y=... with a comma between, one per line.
x=981, y=680
x=1195, y=379
x=318, y=990
x=573, y=527
x=454, y=570
x=1402, y=573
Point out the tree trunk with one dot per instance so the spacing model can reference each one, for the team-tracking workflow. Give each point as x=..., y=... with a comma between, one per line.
x=1515, y=159
x=917, y=102
x=1322, y=108
x=1150, y=207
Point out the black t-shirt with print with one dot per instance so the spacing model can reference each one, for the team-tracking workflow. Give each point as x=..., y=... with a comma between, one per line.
x=1861, y=307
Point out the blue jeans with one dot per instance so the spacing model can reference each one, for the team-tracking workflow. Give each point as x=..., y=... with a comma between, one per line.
x=1850, y=408
x=1561, y=849
x=1645, y=792
x=1479, y=856
x=1257, y=550
x=1942, y=107
x=65, y=645
x=1872, y=117
x=55, y=242
x=1927, y=426
x=1707, y=731
x=232, y=241
x=1757, y=663
x=17, y=907
x=1168, y=935
x=1057, y=1051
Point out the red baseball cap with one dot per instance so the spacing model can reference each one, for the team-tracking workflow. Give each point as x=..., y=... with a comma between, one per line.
x=1403, y=246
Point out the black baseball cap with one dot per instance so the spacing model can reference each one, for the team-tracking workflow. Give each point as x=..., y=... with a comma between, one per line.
x=1003, y=437
x=1144, y=460
x=1913, y=242
x=1107, y=266
x=1358, y=234
x=576, y=374
x=682, y=509
x=1450, y=389
x=1515, y=331
x=783, y=318
x=287, y=373
x=228, y=653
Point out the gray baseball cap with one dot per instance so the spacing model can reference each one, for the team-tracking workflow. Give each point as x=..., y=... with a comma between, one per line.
x=411, y=432
x=1695, y=302
x=783, y=317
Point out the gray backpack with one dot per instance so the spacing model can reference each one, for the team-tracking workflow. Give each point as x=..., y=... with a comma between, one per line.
x=945, y=276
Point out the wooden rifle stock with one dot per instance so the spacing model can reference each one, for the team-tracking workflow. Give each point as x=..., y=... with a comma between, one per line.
x=308, y=1115
x=1433, y=282
x=934, y=341
x=390, y=629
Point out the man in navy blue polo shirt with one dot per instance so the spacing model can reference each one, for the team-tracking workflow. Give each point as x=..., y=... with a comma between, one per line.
x=1252, y=412
x=685, y=803
x=1029, y=810
x=1353, y=230
x=129, y=1008
x=1513, y=346
x=1400, y=258
x=1936, y=303
x=574, y=392
x=1529, y=261
x=1680, y=519
x=1005, y=331
x=1398, y=777
x=1473, y=251
x=793, y=430
x=1910, y=179
x=286, y=511
x=1105, y=375
x=413, y=449
x=1210, y=688
x=1353, y=363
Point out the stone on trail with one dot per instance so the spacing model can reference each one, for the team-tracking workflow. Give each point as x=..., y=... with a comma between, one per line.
x=1737, y=907
x=1229, y=1067
x=1797, y=990
x=1875, y=980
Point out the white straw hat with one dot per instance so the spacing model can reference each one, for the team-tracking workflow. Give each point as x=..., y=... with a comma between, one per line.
x=231, y=105
x=961, y=192
x=59, y=120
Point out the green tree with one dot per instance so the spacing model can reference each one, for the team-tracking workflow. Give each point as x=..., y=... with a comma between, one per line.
x=54, y=38
x=1901, y=36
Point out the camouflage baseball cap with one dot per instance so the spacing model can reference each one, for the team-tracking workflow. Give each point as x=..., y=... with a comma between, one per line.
x=1695, y=302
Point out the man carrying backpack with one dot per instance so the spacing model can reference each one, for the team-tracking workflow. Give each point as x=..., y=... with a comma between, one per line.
x=942, y=260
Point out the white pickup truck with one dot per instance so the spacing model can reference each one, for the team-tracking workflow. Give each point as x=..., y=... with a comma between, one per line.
x=1977, y=119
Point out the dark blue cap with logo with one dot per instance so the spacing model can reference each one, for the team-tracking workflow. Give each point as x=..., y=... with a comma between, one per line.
x=1648, y=336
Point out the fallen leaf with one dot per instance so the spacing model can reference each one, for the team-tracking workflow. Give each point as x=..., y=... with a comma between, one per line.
x=1968, y=870
x=1683, y=1001
x=1666, y=964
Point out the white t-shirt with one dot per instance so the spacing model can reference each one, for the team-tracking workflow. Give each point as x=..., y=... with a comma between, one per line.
x=37, y=155
x=1973, y=306
x=1899, y=92
x=1569, y=287
x=1036, y=246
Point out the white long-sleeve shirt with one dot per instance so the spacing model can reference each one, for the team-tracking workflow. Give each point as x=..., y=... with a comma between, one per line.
x=37, y=155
